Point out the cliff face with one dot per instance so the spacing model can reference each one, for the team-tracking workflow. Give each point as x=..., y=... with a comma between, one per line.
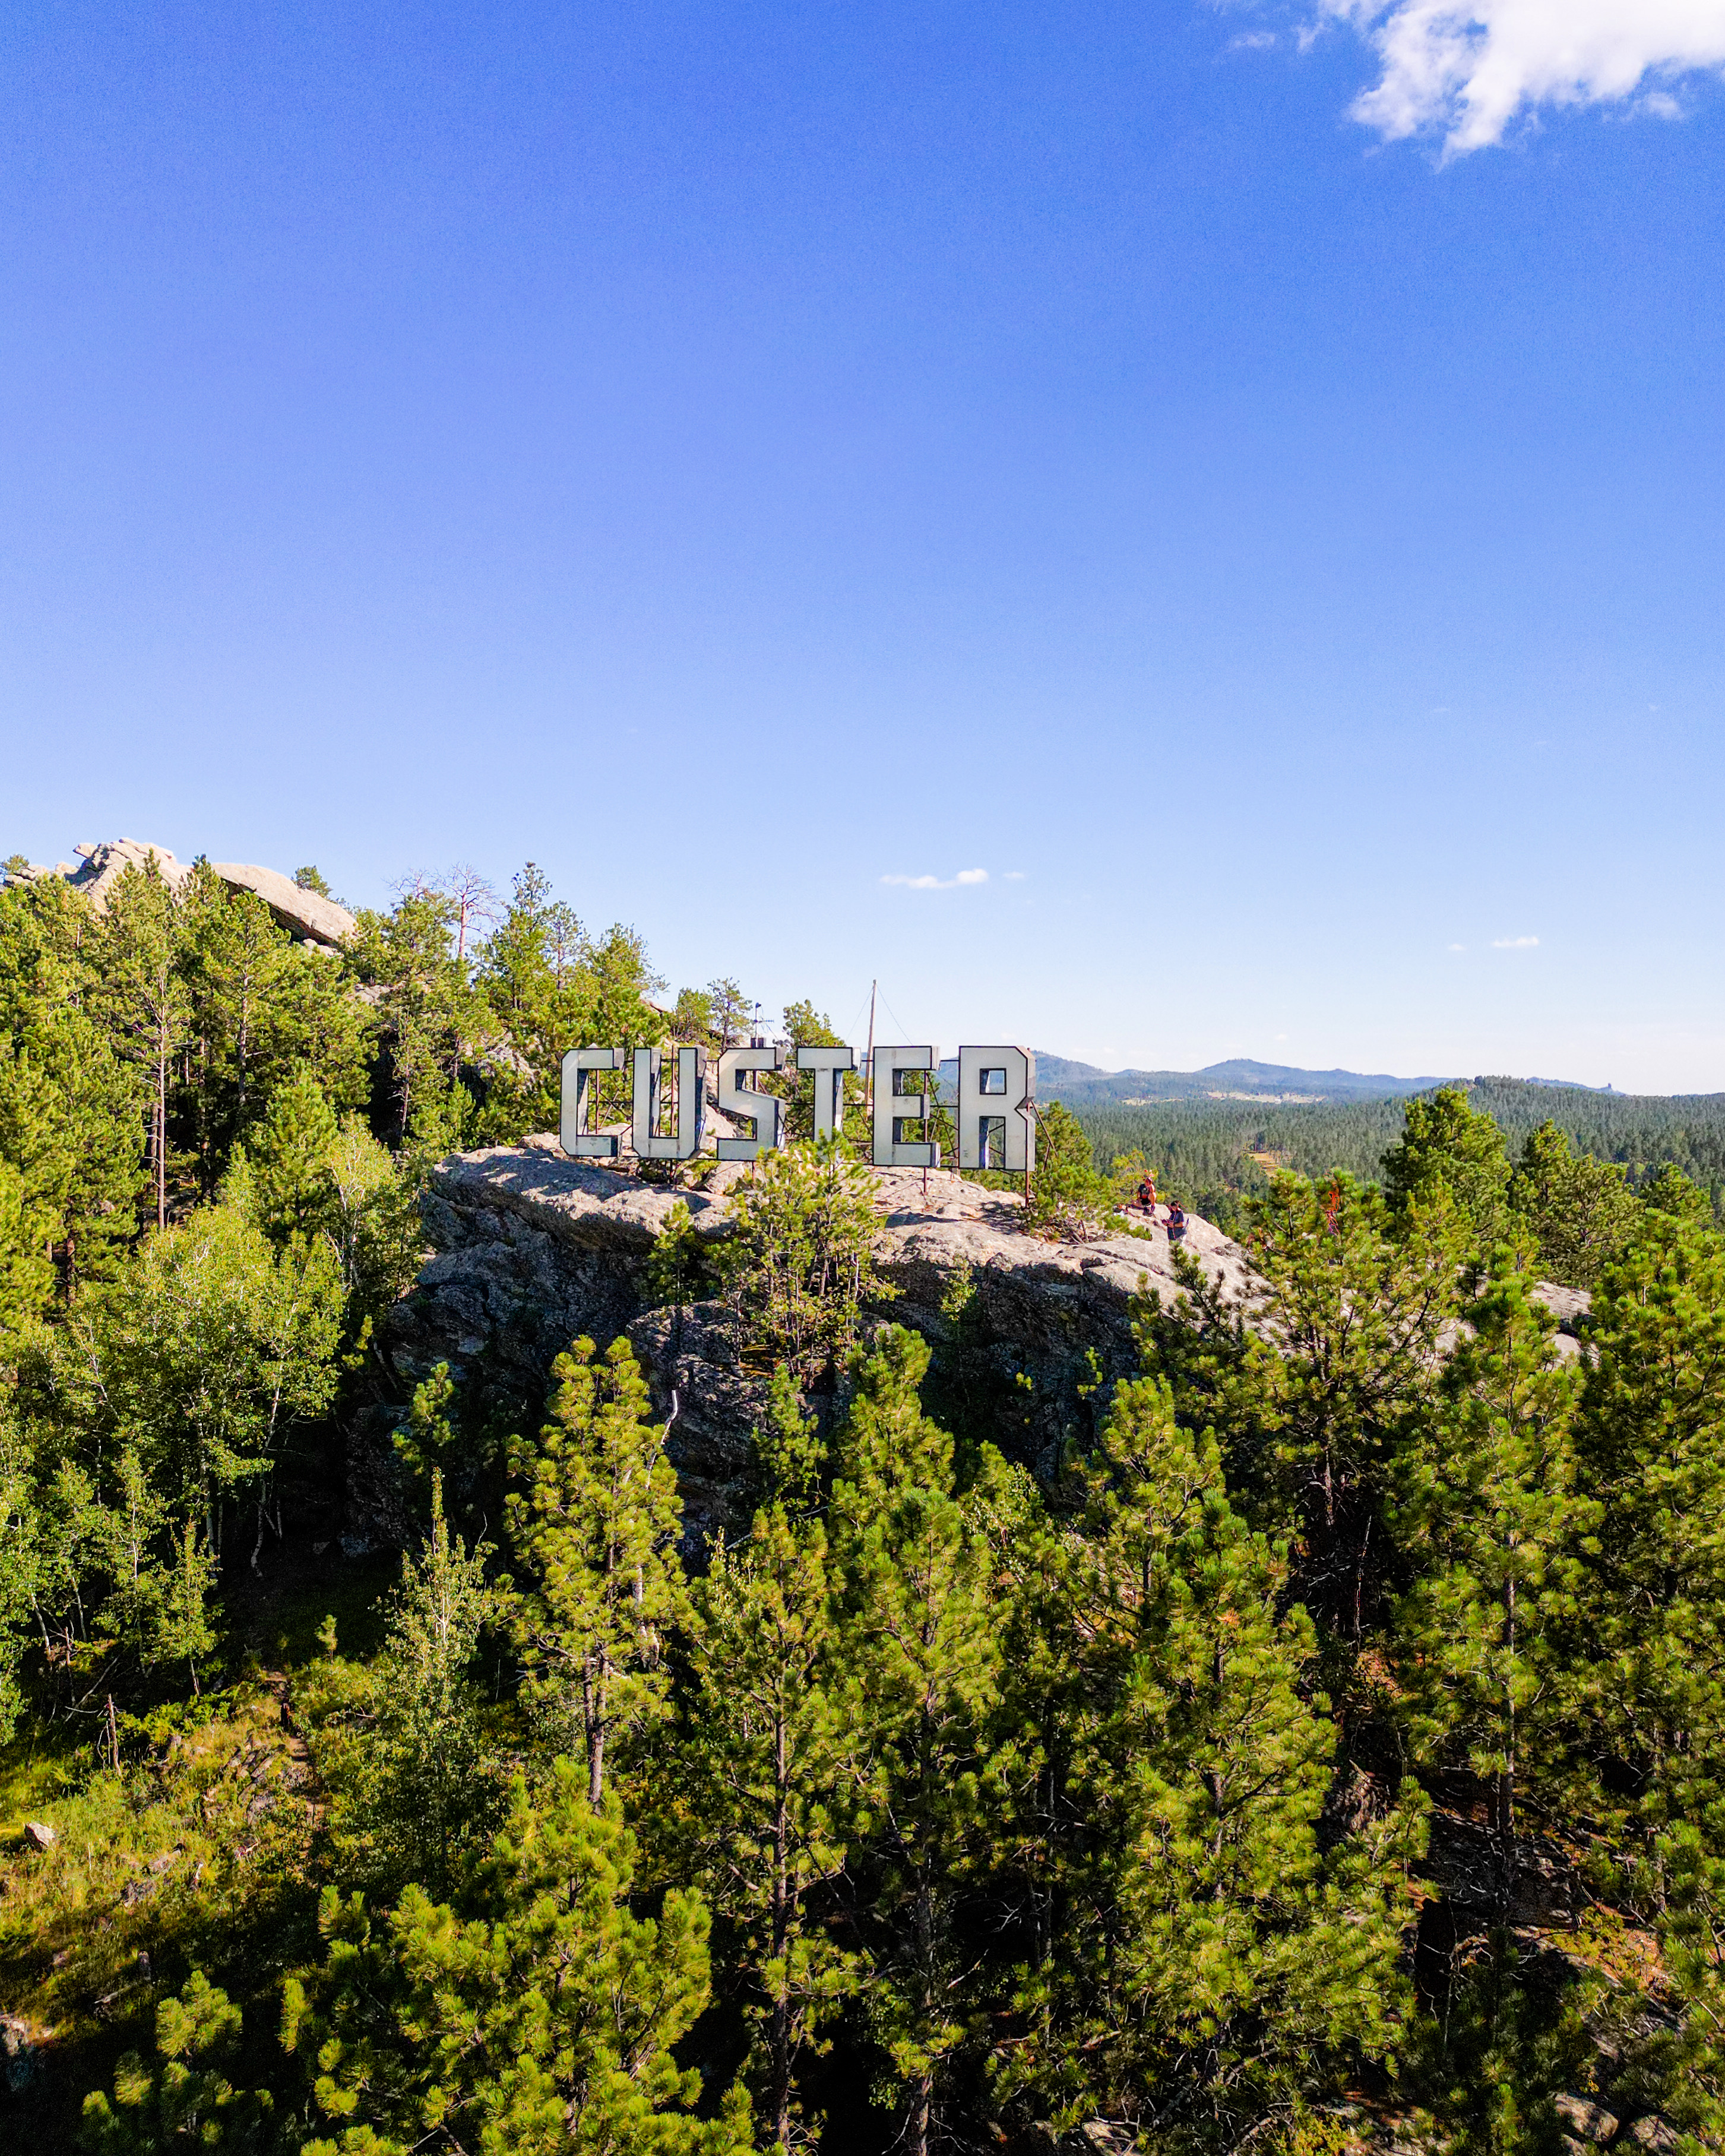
x=531, y=1249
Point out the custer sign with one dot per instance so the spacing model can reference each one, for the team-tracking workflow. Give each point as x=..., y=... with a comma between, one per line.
x=996, y=1112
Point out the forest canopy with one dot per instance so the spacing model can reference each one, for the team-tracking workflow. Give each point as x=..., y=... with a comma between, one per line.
x=1322, y=1747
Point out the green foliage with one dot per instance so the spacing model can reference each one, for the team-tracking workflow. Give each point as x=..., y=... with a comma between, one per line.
x=1446, y=1147
x=200, y=1354
x=71, y=1134
x=1069, y=1201
x=801, y=1262
x=1487, y=1515
x=1581, y=1212
x=404, y=1746
x=1650, y=1453
x=1357, y=1303
x=789, y=1449
x=920, y=1659
x=262, y=1012
x=680, y=1268
x=767, y=1757
x=1211, y=1961
x=542, y=2021
x=187, y=2103
x=1212, y=1154
x=594, y=1528
x=729, y=1011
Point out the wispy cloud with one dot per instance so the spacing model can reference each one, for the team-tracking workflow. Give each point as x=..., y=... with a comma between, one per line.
x=1014, y=875
x=1514, y=942
x=939, y=883
x=1252, y=41
x=1455, y=947
x=1468, y=68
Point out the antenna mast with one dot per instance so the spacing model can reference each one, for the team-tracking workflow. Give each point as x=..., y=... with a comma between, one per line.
x=869, y=1072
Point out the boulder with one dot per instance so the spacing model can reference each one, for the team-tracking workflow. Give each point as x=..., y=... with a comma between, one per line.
x=303, y=913
x=1588, y=2120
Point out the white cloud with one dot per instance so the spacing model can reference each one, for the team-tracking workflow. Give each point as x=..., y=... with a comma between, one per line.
x=938, y=883
x=1455, y=947
x=1514, y=942
x=1014, y=875
x=1469, y=67
x=1252, y=41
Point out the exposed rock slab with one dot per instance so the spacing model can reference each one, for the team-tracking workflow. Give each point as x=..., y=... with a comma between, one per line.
x=533, y=1249
x=303, y=913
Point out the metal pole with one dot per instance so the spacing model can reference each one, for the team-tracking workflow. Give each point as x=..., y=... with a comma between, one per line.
x=868, y=1073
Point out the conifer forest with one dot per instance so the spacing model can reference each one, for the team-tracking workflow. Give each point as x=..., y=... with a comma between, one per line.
x=1323, y=1750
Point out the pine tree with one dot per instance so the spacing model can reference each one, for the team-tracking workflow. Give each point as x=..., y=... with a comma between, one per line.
x=533, y=974
x=71, y=1112
x=763, y=1755
x=427, y=1798
x=1069, y=1200
x=919, y=1655
x=1650, y=1450
x=1356, y=1303
x=801, y=1261
x=1211, y=1960
x=1487, y=1515
x=1445, y=1145
x=594, y=1527
x=188, y=2103
x=1581, y=1212
x=540, y=2019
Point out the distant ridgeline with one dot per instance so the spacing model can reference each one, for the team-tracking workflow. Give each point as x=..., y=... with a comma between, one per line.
x=1217, y=1134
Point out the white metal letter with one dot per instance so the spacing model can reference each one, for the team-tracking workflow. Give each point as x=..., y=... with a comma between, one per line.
x=893, y=1109
x=830, y=1066
x=997, y=1086
x=691, y=1105
x=765, y=1111
x=579, y=1097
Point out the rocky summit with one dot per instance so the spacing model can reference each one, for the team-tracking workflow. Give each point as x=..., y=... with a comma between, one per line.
x=533, y=1250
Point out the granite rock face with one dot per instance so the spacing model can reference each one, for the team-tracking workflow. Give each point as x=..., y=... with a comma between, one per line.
x=533, y=1250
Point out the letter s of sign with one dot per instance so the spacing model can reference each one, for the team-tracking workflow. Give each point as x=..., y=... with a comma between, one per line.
x=580, y=1096
x=893, y=1109
x=997, y=1086
x=765, y=1111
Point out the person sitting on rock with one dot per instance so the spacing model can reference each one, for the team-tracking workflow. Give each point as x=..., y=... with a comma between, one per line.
x=1146, y=1192
x=1176, y=1221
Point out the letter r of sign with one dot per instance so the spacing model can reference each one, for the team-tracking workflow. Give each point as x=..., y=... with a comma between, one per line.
x=997, y=1091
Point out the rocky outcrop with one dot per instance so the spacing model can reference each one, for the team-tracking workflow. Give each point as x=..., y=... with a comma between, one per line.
x=303, y=913
x=533, y=1250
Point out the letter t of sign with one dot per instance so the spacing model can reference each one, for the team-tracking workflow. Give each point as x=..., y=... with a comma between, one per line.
x=829, y=1067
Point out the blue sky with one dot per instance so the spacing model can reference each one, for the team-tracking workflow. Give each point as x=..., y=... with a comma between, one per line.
x=1247, y=479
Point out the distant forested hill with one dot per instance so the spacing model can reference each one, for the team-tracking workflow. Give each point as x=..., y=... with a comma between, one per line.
x=1213, y=1151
